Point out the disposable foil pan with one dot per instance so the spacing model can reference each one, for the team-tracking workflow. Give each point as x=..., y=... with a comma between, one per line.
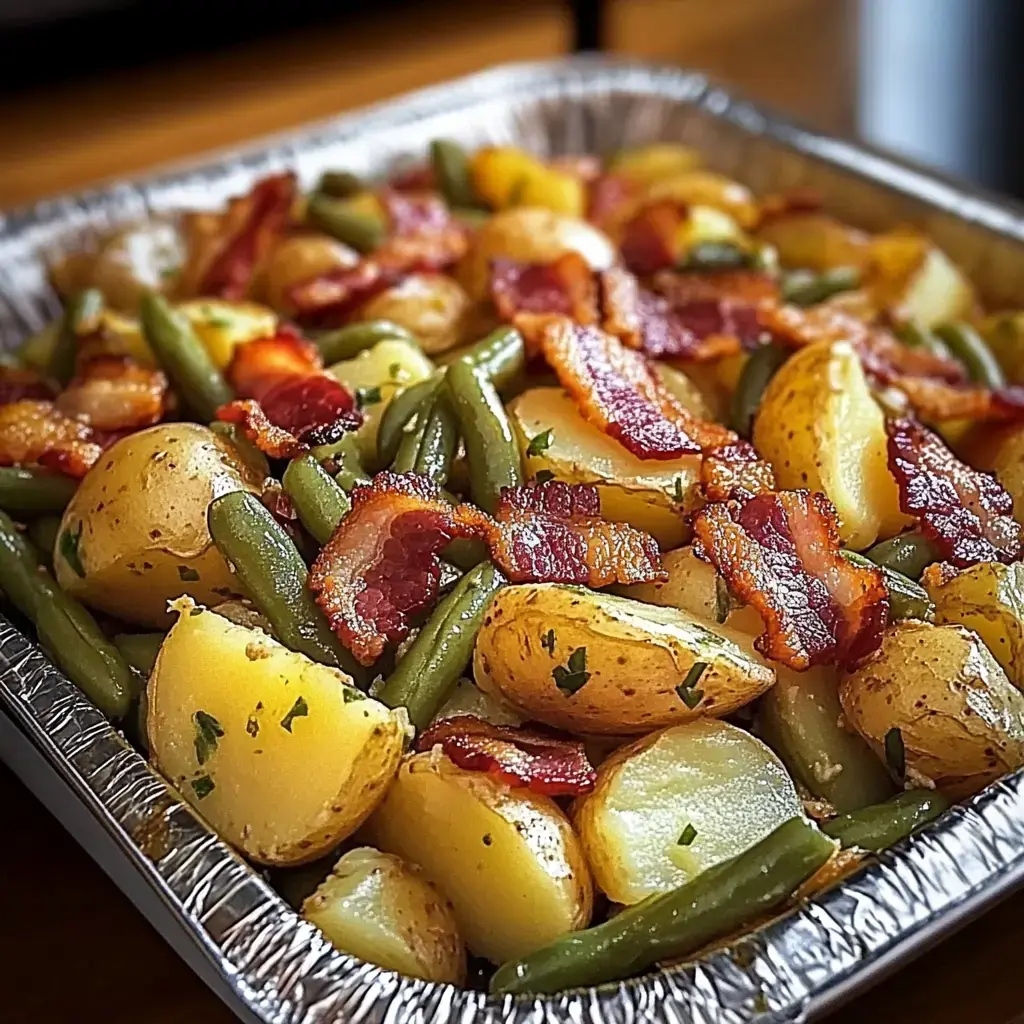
x=252, y=949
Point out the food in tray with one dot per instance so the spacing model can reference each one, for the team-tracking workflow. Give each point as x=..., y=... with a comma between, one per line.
x=568, y=564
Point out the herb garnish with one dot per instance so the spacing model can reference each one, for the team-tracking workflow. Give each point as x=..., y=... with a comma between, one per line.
x=547, y=642
x=723, y=603
x=543, y=476
x=573, y=675
x=680, y=494
x=688, y=836
x=208, y=731
x=203, y=786
x=69, y=548
x=187, y=574
x=895, y=753
x=687, y=691
x=540, y=442
x=299, y=710
x=367, y=396
x=252, y=726
x=350, y=694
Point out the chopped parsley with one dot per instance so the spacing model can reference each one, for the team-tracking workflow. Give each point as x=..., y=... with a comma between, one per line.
x=397, y=372
x=540, y=442
x=573, y=675
x=679, y=493
x=895, y=753
x=252, y=726
x=218, y=321
x=203, y=786
x=543, y=476
x=688, y=835
x=69, y=545
x=299, y=710
x=367, y=396
x=187, y=574
x=208, y=731
x=350, y=694
x=723, y=603
x=547, y=642
x=687, y=689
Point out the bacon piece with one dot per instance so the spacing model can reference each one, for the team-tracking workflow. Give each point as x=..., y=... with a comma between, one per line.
x=735, y=471
x=782, y=204
x=609, y=197
x=936, y=400
x=423, y=235
x=780, y=554
x=326, y=300
x=245, y=234
x=17, y=383
x=565, y=286
x=112, y=393
x=416, y=178
x=649, y=237
x=966, y=513
x=34, y=432
x=257, y=365
x=524, y=758
x=271, y=440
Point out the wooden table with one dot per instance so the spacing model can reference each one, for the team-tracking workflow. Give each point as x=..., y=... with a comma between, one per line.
x=71, y=946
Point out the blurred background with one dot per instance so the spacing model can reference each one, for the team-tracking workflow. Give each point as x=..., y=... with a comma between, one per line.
x=91, y=89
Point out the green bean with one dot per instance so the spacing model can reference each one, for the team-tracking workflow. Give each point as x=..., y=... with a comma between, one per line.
x=400, y=411
x=349, y=341
x=139, y=650
x=879, y=826
x=440, y=653
x=319, y=500
x=184, y=357
x=758, y=370
x=43, y=533
x=908, y=554
x=967, y=345
x=274, y=576
x=492, y=452
x=339, y=184
x=465, y=552
x=34, y=492
x=717, y=901
x=66, y=631
x=451, y=172
x=341, y=459
x=803, y=288
x=363, y=231
x=907, y=599
x=915, y=336
x=80, y=317
x=428, y=448
x=501, y=355
x=708, y=257
x=247, y=451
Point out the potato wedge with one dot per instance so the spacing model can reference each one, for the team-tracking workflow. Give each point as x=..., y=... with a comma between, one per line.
x=645, y=165
x=134, y=535
x=820, y=428
x=1001, y=450
x=960, y=720
x=692, y=586
x=697, y=188
x=815, y=241
x=634, y=658
x=988, y=598
x=706, y=777
x=467, y=698
x=376, y=907
x=481, y=841
x=281, y=755
x=222, y=326
x=642, y=492
x=435, y=308
x=298, y=259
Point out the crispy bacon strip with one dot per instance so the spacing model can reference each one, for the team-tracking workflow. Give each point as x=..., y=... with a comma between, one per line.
x=735, y=471
x=966, y=513
x=609, y=197
x=524, y=758
x=565, y=286
x=422, y=235
x=783, y=204
x=258, y=365
x=780, y=554
x=273, y=441
x=649, y=238
x=17, y=383
x=112, y=393
x=326, y=300
x=37, y=433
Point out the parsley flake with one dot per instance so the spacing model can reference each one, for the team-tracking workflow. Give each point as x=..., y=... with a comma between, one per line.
x=252, y=726
x=540, y=442
x=203, y=786
x=187, y=574
x=367, y=396
x=350, y=694
x=688, y=693
x=69, y=545
x=688, y=836
x=723, y=603
x=547, y=642
x=679, y=493
x=543, y=476
x=895, y=753
x=299, y=710
x=397, y=372
x=208, y=731
x=221, y=322
x=573, y=675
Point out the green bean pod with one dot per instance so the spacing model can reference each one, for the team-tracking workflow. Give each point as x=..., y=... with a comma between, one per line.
x=967, y=345
x=758, y=370
x=915, y=336
x=908, y=554
x=319, y=500
x=429, y=447
x=247, y=451
x=140, y=650
x=66, y=631
x=80, y=316
x=492, y=452
x=716, y=902
x=339, y=184
x=34, y=492
x=879, y=826
x=709, y=257
x=341, y=460
x=401, y=411
x=440, y=653
x=183, y=357
x=43, y=533
x=347, y=342
x=274, y=576
x=907, y=599
x=802, y=288
x=362, y=231
x=451, y=172
x=501, y=355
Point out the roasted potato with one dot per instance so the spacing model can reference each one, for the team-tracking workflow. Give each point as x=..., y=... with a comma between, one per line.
x=696, y=189
x=480, y=841
x=645, y=165
x=222, y=326
x=677, y=802
x=1004, y=333
x=650, y=495
x=944, y=704
x=684, y=389
x=376, y=907
x=135, y=535
x=596, y=664
x=815, y=241
x=534, y=235
x=236, y=721
x=692, y=586
x=467, y=698
x=988, y=598
x=820, y=428
x=1001, y=450
x=435, y=308
x=298, y=259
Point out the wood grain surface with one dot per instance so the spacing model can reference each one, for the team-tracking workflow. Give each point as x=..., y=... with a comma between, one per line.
x=72, y=948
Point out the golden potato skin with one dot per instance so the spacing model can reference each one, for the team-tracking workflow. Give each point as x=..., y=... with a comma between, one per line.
x=961, y=720
x=141, y=516
x=299, y=259
x=820, y=428
x=435, y=308
x=379, y=908
x=302, y=757
x=636, y=656
x=507, y=859
x=1002, y=451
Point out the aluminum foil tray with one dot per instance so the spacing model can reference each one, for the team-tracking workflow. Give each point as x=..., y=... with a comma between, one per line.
x=259, y=956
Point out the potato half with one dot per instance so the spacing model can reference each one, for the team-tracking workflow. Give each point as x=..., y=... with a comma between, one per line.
x=960, y=721
x=508, y=859
x=435, y=308
x=376, y=907
x=223, y=326
x=815, y=241
x=641, y=492
x=134, y=535
x=820, y=428
x=596, y=664
x=677, y=802
x=1002, y=451
x=283, y=757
